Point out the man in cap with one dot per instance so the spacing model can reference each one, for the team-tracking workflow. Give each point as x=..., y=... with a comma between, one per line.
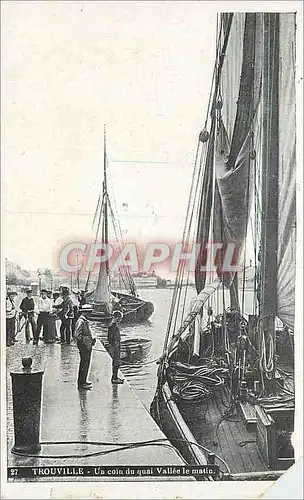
x=27, y=307
x=57, y=301
x=44, y=306
x=66, y=315
x=11, y=312
x=114, y=345
x=85, y=342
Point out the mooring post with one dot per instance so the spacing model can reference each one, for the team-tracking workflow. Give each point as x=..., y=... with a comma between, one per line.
x=26, y=388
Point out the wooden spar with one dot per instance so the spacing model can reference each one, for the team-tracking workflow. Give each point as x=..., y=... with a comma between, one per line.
x=270, y=162
x=105, y=190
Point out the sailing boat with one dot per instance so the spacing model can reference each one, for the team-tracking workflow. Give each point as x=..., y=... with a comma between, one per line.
x=105, y=300
x=225, y=391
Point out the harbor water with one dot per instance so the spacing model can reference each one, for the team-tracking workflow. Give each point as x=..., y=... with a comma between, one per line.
x=142, y=377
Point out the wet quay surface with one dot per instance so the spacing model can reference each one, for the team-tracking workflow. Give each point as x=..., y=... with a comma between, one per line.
x=107, y=414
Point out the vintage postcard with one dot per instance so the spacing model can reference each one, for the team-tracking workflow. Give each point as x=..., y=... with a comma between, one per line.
x=152, y=249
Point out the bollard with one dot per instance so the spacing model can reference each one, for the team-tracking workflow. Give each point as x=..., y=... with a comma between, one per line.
x=26, y=388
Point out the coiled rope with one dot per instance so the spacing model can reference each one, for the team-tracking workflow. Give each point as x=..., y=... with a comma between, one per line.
x=195, y=384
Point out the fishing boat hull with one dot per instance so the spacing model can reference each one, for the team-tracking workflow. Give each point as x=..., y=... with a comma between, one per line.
x=228, y=378
x=135, y=310
x=250, y=436
x=168, y=417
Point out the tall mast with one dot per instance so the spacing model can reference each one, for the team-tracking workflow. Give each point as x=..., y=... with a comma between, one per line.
x=105, y=192
x=102, y=287
x=270, y=162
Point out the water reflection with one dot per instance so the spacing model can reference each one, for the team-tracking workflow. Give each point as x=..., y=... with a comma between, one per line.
x=115, y=414
x=84, y=420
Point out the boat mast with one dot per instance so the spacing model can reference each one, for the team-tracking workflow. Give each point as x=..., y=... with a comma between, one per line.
x=101, y=297
x=270, y=162
x=105, y=196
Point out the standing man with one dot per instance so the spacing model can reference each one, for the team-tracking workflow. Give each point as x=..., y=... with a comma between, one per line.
x=114, y=341
x=57, y=301
x=44, y=306
x=66, y=315
x=11, y=312
x=27, y=307
x=85, y=342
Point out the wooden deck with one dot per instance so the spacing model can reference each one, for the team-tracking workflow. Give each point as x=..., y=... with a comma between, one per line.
x=227, y=437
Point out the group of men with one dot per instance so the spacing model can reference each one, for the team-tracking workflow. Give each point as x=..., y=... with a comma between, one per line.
x=55, y=311
x=72, y=312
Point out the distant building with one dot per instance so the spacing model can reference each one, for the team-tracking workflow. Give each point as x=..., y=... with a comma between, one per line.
x=145, y=281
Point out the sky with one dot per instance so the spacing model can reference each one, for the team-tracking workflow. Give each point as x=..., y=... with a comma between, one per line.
x=68, y=68
x=144, y=70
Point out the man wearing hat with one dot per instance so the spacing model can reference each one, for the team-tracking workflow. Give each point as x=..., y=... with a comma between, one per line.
x=85, y=342
x=44, y=307
x=66, y=314
x=27, y=307
x=11, y=312
x=114, y=345
x=57, y=301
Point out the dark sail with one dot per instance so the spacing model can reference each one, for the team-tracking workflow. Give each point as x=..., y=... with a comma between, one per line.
x=233, y=175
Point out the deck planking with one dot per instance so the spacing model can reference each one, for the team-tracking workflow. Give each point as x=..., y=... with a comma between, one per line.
x=230, y=434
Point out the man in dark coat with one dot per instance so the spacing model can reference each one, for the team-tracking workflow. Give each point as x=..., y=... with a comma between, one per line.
x=114, y=346
x=66, y=314
x=85, y=342
x=11, y=312
x=27, y=307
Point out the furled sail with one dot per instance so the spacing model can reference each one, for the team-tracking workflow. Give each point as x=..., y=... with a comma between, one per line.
x=101, y=294
x=287, y=173
x=233, y=175
x=227, y=171
x=231, y=202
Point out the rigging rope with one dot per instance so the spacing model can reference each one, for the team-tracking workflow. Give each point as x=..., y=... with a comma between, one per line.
x=101, y=205
x=220, y=55
x=177, y=279
x=124, y=271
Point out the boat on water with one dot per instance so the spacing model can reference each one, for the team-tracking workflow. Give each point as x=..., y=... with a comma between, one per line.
x=225, y=390
x=103, y=298
x=132, y=350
